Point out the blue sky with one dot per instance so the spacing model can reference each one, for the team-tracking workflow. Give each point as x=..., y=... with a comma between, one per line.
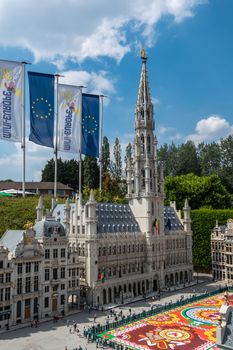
x=97, y=44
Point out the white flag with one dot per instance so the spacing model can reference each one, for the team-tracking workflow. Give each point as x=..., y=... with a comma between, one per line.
x=11, y=88
x=69, y=118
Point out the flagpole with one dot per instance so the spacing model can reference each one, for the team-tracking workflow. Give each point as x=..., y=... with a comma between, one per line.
x=80, y=165
x=56, y=136
x=23, y=144
x=101, y=140
x=55, y=145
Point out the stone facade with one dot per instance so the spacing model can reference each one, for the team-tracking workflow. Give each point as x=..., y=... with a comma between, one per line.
x=221, y=251
x=39, y=272
x=136, y=248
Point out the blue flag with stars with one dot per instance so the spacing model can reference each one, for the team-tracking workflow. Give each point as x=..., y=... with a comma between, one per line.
x=90, y=125
x=41, y=89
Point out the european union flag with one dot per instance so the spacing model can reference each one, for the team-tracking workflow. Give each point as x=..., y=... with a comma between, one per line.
x=41, y=88
x=90, y=125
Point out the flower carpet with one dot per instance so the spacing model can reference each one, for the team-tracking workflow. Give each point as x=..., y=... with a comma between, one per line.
x=189, y=327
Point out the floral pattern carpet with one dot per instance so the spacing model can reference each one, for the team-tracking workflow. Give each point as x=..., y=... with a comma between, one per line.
x=189, y=327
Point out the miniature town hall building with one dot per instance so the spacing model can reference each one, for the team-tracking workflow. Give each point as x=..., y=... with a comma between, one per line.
x=126, y=250
x=100, y=253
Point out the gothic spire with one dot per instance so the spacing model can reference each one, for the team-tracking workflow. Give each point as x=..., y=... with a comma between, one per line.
x=144, y=98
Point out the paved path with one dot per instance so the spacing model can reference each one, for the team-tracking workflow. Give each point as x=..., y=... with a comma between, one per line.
x=56, y=336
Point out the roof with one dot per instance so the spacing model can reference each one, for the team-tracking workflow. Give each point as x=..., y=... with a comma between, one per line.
x=171, y=220
x=48, y=227
x=11, y=238
x=113, y=217
x=7, y=185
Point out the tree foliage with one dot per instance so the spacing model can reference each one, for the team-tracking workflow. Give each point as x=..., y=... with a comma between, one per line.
x=105, y=155
x=205, y=191
x=117, y=164
x=203, y=222
x=90, y=172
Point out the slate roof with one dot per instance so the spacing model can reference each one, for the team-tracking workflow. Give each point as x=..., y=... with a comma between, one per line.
x=49, y=226
x=11, y=238
x=119, y=218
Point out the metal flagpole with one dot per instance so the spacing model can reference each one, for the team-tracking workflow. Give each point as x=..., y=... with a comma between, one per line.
x=56, y=136
x=80, y=164
x=101, y=139
x=24, y=126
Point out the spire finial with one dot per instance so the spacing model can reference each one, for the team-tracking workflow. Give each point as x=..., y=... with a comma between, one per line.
x=143, y=55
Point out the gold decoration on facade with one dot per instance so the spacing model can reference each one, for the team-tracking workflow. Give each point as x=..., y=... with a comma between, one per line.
x=28, y=225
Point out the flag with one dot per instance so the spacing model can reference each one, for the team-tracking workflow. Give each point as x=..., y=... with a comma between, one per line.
x=69, y=121
x=11, y=87
x=41, y=88
x=90, y=125
x=101, y=276
x=155, y=226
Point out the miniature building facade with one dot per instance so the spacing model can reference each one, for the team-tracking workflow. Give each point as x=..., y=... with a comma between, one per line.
x=221, y=251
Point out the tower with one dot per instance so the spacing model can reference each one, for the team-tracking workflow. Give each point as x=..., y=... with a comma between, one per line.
x=144, y=176
x=39, y=210
x=67, y=210
x=91, y=241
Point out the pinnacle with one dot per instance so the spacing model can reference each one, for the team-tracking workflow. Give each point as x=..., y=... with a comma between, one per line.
x=40, y=203
x=92, y=197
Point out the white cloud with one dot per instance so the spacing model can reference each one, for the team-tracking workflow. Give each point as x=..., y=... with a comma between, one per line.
x=163, y=129
x=211, y=129
x=57, y=30
x=98, y=83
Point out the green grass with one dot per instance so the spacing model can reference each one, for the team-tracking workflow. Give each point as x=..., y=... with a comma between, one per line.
x=15, y=212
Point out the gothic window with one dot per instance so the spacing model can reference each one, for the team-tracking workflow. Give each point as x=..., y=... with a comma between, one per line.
x=114, y=250
x=109, y=250
x=148, y=144
x=104, y=251
x=151, y=183
x=152, y=209
x=142, y=143
x=143, y=178
x=142, y=114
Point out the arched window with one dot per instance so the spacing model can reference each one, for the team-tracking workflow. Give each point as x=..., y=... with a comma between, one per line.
x=143, y=178
x=142, y=114
x=148, y=144
x=142, y=143
x=152, y=209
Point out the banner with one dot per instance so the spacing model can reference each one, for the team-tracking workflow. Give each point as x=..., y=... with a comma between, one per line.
x=90, y=125
x=11, y=89
x=69, y=121
x=41, y=89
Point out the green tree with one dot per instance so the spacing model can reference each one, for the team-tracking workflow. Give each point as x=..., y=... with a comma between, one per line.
x=90, y=172
x=226, y=171
x=128, y=153
x=205, y=191
x=209, y=158
x=168, y=154
x=105, y=155
x=117, y=164
x=187, y=160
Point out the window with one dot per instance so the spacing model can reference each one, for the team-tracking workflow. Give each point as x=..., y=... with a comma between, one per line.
x=63, y=286
x=7, y=294
x=109, y=250
x=1, y=278
x=114, y=250
x=36, y=266
x=1, y=294
x=73, y=283
x=55, y=253
x=46, y=274
x=46, y=289
x=47, y=254
x=63, y=253
x=62, y=299
x=1, y=264
x=35, y=283
x=19, y=286
x=20, y=269
x=28, y=267
x=18, y=310
x=46, y=302
x=123, y=249
x=28, y=285
x=8, y=277
x=55, y=274
x=73, y=272
x=63, y=272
